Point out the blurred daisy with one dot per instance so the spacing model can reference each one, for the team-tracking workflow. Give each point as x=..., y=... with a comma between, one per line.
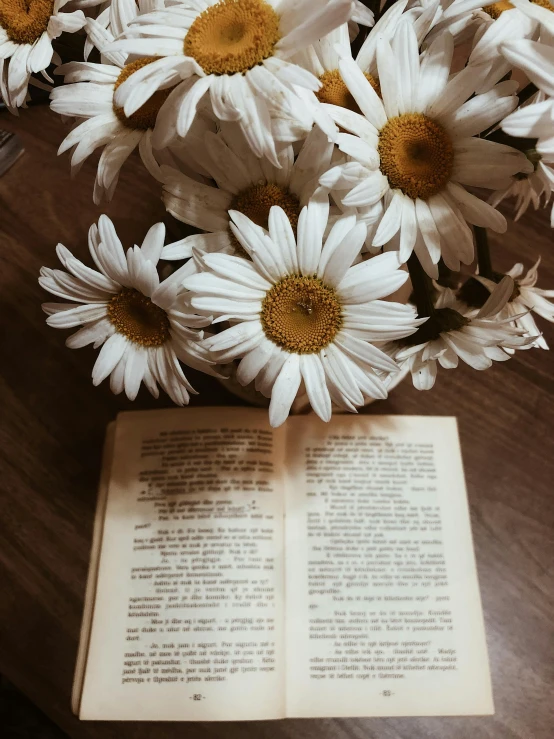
x=423, y=149
x=449, y=336
x=91, y=96
x=242, y=182
x=527, y=189
x=525, y=298
x=237, y=50
x=27, y=29
x=143, y=325
x=534, y=121
x=302, y=313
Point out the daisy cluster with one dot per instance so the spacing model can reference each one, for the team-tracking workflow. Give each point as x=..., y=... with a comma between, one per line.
x=324, y=153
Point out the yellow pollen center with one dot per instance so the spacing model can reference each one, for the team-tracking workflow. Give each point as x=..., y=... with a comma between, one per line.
x=301, y=314
x=138, y=318
x=496, y=9
x=25, y=20
x=334, y=91
x=233, y=36
x=416, y=155
x=145, y=116
x=256, y=202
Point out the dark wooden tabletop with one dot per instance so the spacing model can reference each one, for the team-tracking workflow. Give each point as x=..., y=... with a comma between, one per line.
x=52, y=428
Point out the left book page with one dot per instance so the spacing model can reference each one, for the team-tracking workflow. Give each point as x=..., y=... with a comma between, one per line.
x=189, y=609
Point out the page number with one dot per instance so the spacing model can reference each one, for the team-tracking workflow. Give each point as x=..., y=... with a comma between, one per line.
x=387, y=693
x=197, y=697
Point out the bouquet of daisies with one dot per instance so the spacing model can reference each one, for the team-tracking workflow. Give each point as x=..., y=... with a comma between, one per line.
x=324, y=153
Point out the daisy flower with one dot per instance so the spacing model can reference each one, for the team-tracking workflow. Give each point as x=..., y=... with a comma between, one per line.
x=238, y=50
x=333, y=102
x=421, y=149
x=27, y=29
x=534, y=121
x=242, y=182
x=143, y=325
x=526, y=298
x=91, y=96
x=449, y=336
x=503, y=23
x=302, y=313
x=527, y=189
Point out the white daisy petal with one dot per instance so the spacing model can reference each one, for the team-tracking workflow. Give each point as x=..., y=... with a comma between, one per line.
x=363, y=93
x=434, y=71
x=284, y=390
x=344, y=254
x=254, y=362
x=135, y=367
x=391, y=221
x=313, y=375
x=109, y=356
x=365, y=353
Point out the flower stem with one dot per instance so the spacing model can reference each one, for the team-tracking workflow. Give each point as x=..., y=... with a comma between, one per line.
x=483, y=253
x=422, y=287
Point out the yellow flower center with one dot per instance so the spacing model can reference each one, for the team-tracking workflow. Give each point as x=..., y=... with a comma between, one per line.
x=334, y=91
x=25, y=20
x=496, y=9
x=256, y=202
x=233, y=36
x=145, y=116
x=301, y=314
x=138, y=318
x=416, y=155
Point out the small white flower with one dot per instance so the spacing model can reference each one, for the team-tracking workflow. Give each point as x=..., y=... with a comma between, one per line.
x=143, y=325
x=535, y=121
x=420, y=150
x=528, y=190
x=238, y=51
x=27, y=29
x=449, y=336
x=301, y=312
x=243, y=182
x=526, y=297
x=91, y=96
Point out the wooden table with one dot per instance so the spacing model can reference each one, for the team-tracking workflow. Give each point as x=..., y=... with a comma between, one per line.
x=53, y=424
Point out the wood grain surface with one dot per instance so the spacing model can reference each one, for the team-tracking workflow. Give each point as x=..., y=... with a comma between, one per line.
x=52, y=427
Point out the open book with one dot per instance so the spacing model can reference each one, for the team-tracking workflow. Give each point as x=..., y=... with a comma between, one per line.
x=244, y=572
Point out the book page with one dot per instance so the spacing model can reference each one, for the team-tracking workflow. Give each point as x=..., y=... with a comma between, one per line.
x=188, y=619
x=383, y=614
x=92, y=578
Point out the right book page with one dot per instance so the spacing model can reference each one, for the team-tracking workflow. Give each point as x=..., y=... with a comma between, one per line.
x=383, y=614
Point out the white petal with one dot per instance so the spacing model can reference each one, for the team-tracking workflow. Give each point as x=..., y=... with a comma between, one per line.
x=109, y=356
x=316, y=387
x=284, y=390
x=391, y=220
